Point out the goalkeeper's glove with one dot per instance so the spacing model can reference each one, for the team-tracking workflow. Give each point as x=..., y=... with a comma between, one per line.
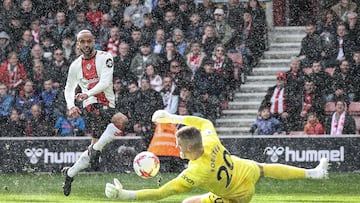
x=162, y=116
x=116, y=190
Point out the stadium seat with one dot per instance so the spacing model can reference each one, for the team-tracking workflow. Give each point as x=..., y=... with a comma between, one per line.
x=307, y=70
x=354, y=108
x=330, y=70
x=357, y=123
x=329, y=108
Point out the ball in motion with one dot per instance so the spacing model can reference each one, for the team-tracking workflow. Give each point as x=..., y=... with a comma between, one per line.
x=146, y=164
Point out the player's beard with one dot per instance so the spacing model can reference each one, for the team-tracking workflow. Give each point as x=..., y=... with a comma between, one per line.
x=87, y=52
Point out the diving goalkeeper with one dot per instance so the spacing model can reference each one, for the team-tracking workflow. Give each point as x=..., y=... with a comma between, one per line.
x=212, y=168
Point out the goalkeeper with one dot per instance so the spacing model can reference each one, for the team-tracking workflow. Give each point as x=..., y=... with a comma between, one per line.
x=212, y=168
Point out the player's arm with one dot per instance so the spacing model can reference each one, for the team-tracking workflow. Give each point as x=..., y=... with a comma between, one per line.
x=172, y=187
x=106, y=75
x=162, y=116
x=70, y=86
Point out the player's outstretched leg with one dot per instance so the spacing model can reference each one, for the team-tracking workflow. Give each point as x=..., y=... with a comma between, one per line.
x=118, y=123
x=67, y=182
x=284, y=172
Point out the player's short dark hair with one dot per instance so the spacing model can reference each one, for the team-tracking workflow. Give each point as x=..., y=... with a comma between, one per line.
x=191, y=135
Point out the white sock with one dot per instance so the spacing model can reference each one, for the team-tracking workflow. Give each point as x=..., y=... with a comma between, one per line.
x=107, y=136
x=80, y=164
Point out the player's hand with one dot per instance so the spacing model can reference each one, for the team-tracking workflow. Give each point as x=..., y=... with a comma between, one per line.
x=161, y=116
x=113, y=191
x=81, y=97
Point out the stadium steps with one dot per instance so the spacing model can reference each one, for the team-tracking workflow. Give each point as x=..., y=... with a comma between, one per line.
x=284, y=43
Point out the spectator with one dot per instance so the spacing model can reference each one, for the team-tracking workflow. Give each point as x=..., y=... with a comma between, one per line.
x=355, y=64
x=180, y=73
x=15, y=27
x=15, y=127
x=353, y=25
x=259, y=19
x=58, y=68
x=310, y=46
x=7, y=103
x=195, y=57
x=13, y=74
x=104, y=31
x=158, y=12
x=135, y=41
x=6, y=9
x=282, y=104
x=149, y=28
x=311, y=101
x=340, y=48
x=27, y=12
x=35, y=29
x=94, y=15
x=116, y=11
x=122, y=64
x=322, y=80
x=209, y=39
x=121, y=97
x=183, y=14
x=136, y=12
x=327, y=25
x=222, y=29
x=5, y=46
x=36, y=126
x=142, y=58
x=47, y=45
x=58, y=29
x=313, y=126
x=26, y=99
x=24, y=47
x=48, y=98
x=69, y=125
x=114, y=41
x=171, y=53
x=68, y=46
x=247, y=36
x=133, y=104
x=208, y=88
x=170, y=94
x=126, y=28
x=179, y=41
x=225, y=69
x=206, y=10
x=149, y=102
x=234, y=14
x=37, y=76
x=158, y=43
x=188, y=104
x=340, y=123
x=345, y=84
x=266, y=124
x=194, y=30
x=171, y=22
x=343, y=7
x=156, y=81
x=79, y=22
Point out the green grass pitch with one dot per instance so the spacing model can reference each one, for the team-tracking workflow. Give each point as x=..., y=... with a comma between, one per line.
x=340, y=187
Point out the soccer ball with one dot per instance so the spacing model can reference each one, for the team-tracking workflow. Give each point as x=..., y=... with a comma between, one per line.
x=146, y=164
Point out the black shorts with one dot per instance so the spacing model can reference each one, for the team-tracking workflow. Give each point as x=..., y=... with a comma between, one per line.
x=97, y=117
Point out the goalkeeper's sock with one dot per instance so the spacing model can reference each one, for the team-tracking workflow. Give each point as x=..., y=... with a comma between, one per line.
x=80, y=164
x=283, y=172
x=107, y=136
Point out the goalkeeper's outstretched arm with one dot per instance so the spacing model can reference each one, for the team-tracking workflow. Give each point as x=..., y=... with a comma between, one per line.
x=162, y=116
x=116, y=191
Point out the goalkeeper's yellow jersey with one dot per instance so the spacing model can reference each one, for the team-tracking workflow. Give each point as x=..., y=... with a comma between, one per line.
x=215, y=171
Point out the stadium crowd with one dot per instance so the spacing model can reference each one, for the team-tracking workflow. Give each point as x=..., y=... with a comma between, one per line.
x=172, y=55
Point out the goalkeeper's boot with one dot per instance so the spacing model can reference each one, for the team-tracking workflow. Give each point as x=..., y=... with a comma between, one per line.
x=67, y=182
x=322, y=169
x=94, y=157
